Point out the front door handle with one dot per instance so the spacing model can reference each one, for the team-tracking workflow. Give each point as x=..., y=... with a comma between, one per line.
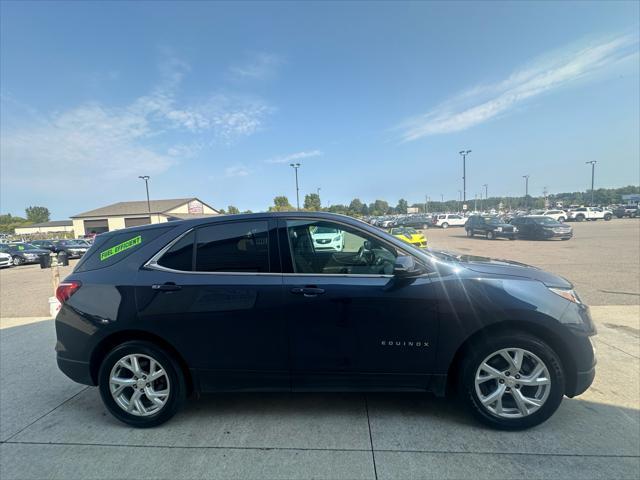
x=308, y=291
x=166, y=287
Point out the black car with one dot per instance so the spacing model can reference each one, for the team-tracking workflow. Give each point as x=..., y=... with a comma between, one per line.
x=45, y=244
x=246, y=303
x=630, y=211
x=490, y=226
x=22, y=253
x=417, y=221
x=73, y=248
x=539, y=227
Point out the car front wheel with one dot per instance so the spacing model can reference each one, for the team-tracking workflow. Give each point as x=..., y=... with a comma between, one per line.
x=491, y=235
x=512, y=382
x=140, y=384
x=445, y=225
x=17, y=261
x=469, y=233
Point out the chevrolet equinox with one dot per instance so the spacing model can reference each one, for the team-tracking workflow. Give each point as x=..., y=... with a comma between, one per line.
x=250, y=303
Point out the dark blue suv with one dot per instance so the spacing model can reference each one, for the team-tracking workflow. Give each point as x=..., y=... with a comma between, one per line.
x=254, y=303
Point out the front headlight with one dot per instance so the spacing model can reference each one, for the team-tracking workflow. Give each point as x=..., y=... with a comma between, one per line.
x=336, y=239
x=515, y=229
x=568, y=294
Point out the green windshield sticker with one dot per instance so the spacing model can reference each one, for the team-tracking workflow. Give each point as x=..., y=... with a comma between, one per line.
x=110, y=252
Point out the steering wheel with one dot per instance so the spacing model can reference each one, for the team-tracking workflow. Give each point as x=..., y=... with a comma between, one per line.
x=365, y=256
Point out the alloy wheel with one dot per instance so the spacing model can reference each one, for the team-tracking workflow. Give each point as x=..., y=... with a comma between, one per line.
x=512, y=383
x=139, y=385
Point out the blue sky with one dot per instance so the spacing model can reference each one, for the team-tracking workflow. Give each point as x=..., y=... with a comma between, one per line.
x=214, y=100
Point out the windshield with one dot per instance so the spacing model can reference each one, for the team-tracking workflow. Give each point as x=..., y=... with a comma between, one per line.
x=493, y=220
x=329, y=230
x=23, y=246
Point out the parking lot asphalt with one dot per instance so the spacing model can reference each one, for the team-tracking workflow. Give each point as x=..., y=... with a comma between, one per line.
x=53, y=428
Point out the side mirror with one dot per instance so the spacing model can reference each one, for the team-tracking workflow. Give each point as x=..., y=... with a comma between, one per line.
x=406, y=266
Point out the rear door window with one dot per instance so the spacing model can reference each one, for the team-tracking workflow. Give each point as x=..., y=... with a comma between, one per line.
x=233, y=247
x=180, y=255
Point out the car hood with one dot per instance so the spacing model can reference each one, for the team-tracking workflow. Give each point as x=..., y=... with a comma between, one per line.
x=493, y=266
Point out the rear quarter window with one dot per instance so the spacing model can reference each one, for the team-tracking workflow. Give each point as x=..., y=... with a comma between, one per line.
x=115, y=248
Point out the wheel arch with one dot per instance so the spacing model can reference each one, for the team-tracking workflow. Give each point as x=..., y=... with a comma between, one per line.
x=110, y=342
x=557, y=344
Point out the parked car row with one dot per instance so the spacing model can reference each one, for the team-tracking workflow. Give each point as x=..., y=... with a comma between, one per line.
x=20, y=253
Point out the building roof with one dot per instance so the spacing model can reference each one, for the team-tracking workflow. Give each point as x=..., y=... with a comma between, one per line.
x=52, y=223
x=137, y=208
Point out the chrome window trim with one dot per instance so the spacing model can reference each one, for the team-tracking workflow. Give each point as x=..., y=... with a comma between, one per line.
x=152, y=263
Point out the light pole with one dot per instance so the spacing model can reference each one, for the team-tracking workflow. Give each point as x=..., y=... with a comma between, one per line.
x=460, y=199
x=146, y=184
x=486, y=192
x=526, y=190
x=318, y=192
x=593, y=171
x=296, y=166
x=464, y=154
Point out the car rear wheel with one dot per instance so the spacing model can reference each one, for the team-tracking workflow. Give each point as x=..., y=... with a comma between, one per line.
x=445, y=225
x=17, y=261
x=607, y=217
x=561, y=219
x=469, y=233
x=512, y=382
x=491, y=235
x=141, y=385
x=580, y=218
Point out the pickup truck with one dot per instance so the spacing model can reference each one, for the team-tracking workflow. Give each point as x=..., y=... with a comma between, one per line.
x=589, y=213
x=630, y=211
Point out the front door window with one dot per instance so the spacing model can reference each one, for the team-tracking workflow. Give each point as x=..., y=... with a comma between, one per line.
x=322, y=247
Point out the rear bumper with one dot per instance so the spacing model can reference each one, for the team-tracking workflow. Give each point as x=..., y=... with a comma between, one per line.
x=76, y=370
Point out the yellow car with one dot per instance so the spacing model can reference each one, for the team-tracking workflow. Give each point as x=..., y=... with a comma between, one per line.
x=410, y=235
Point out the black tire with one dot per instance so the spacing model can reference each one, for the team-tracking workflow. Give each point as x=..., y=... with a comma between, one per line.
x=469, y=232
x=512, y=238
x=561, y=219
x=174, y=372
x=445, y=225
x=580, y=218
x=607, y=217
x=491, y=235
x=481, y=350
x=17, y=261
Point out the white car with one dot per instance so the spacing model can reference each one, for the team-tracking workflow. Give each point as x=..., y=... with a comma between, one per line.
x=5, y=260
x=325, y=238
x=447, y=220
x=557, y=215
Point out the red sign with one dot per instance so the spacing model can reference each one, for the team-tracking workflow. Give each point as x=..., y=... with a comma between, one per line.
x=196, y=207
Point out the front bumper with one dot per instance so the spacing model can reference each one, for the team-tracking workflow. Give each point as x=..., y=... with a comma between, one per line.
x=583, y=382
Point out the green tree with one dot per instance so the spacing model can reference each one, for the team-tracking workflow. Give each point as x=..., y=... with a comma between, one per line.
x=232, y=210
x=379, y=207
x=281, y=204
x=37, y=214
x=312, y=202
x=356, y=206
x=402, y=206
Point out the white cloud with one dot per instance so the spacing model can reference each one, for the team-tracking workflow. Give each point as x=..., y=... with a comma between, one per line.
x=257, y=66
x=294, y=156
x=484, y=102
x=236, y=171
x=94, y=141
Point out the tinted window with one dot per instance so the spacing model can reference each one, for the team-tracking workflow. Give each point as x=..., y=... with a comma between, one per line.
x=233, y=247
x=180, y=255
x=109, y=249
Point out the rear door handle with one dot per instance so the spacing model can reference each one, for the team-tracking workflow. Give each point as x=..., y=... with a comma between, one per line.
x=166, y=287
x=308, y=291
